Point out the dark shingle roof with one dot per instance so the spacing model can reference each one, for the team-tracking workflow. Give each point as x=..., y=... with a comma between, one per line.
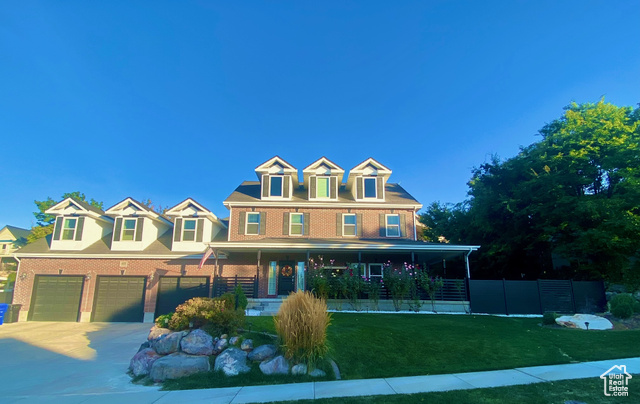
x=17, y=232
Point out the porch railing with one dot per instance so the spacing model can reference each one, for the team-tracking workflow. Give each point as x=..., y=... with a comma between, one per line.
x=224, y=284
x=453, y=290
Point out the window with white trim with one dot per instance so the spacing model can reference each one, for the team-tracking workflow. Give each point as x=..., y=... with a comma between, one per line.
x=128, y=229
x=349, y=224
x=296, y=224
x=189, y=230
x=275, y=185
x=393, y=225
x=370, y=188
x=375, y=271
x=69, y=229
x=322, y=187
x=252, y=225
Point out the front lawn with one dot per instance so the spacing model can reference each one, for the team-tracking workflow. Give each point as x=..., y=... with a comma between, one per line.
x=390, y=345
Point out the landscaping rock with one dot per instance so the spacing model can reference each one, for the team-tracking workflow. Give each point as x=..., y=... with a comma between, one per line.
x=144, y=345
x=169, y=343
x=232, y=362
x=224, y=336
x=178, y=365
x=234, y=340
x=157, y=332
x=142, y=361
x=220, y=346
x=262, y=353
x=197, y=342
x=317, y=373
x=275, y=366
x=579, y=320
x=299, y=369
x=247, y=345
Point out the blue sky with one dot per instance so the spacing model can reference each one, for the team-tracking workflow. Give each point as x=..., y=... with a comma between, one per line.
x=168, y=100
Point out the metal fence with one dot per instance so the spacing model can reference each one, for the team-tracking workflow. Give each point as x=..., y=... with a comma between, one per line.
x=536, y=297
x=222, y=285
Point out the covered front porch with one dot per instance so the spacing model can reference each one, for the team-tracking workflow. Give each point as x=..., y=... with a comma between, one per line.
x=274, y=268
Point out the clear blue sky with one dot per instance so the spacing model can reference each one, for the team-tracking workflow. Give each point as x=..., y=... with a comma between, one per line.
x=174, y=99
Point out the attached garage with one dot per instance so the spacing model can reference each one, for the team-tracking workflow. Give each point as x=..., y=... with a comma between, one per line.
x=56, y=298
x=174, y=290
x=119, y=299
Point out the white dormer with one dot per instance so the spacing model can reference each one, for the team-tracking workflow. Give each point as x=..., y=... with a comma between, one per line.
x=77, y=225
x=136, y=226
x=277, y=179
x=367, y=180
x=322, y=179
x=194, y=225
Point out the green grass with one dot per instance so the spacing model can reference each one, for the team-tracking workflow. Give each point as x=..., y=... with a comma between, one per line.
x=583, y=390
x=391, y=345
x=388, y=345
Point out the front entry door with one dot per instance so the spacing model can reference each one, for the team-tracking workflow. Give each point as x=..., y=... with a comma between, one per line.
x=286, y=277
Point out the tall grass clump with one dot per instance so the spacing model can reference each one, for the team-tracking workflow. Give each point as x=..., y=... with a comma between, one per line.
x=301, y=324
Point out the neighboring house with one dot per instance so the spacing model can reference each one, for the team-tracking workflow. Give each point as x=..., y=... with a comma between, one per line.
x=130, y=263
x=11, y=238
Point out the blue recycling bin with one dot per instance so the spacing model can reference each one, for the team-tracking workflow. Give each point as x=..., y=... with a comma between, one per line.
x=4, y=307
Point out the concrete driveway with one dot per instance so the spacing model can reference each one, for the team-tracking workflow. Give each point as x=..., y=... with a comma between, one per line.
x=41, y=359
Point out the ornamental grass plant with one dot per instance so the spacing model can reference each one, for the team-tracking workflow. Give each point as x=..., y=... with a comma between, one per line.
x=301, y=324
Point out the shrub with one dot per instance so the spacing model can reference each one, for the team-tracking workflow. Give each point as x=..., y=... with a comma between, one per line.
x=229, y=300
x=301, y=324
x=196, y=312
x=549, y=318
x=621, y=305
x=241, y=298
x=225, y=322
x=163, y=320
x=319, y=283
x=374, y=287
x=397, y=282
x=355, y=285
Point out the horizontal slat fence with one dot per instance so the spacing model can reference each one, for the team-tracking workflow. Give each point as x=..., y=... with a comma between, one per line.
x=222, y=285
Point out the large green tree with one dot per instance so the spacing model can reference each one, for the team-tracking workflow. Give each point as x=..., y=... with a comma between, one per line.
x=574, y=194
x=46, y=221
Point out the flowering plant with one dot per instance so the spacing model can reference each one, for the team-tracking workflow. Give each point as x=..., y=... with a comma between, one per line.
x=397, y=282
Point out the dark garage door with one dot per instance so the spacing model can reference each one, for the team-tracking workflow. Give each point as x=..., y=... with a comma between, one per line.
x=56, y=298
x=119, y=299
x=173, y=291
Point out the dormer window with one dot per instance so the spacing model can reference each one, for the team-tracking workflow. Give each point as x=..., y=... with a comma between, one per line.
x=69, y=229
x=275, y=188
x=322, y=187
x=370, y=188
x=189, y=230
x=129, y=229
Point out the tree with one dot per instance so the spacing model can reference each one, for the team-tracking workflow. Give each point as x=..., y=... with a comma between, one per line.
x=574, y=194
x=46, y=221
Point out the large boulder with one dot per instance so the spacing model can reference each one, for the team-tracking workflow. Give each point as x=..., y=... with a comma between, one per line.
x=275, y=366
x=262, y=353
x=247, y=345
x=197, y=342
x=220, y=346
x=232, y=362
x=142, y=361
x=169, y=343
x=580, y=320
x=178, y=365
x=157, y=332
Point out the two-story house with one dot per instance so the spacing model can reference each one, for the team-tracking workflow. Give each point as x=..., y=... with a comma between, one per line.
x=130, y=263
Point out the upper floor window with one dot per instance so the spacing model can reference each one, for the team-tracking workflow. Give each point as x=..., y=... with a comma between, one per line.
x=128, y=229
x=393, y=226
x=349, y=226
x=296, y=224
x=275, y=186
x=69, y=229
x=189, y=230
x=322, y=187
x=370, y=188
x=253, y=223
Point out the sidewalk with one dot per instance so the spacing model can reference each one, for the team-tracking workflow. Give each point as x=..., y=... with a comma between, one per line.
x=349, y=388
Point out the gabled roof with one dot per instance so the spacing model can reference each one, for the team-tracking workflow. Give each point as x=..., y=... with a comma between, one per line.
x=370, y=163
x=139, y=209
x=275, y=165
x=80, y=207
x=17, y=232
x=191, y=203
x=322, y=165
